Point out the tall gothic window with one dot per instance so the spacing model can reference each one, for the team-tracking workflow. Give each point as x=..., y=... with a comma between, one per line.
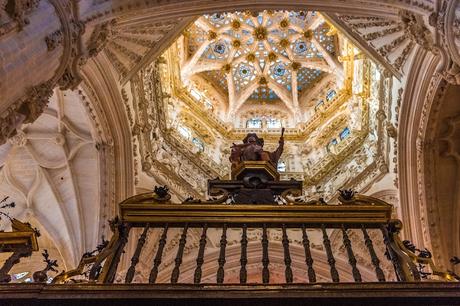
x=281, y=166
x=185, y=132
x=318, y=104
x=331, y=94
x=254, y=123
x=345, y=133
x=273, y=123
x=198, y=143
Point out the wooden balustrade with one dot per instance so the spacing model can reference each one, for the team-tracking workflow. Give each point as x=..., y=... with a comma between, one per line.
x=352, y=220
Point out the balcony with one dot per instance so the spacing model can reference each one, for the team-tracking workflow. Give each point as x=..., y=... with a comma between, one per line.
x=231, y=249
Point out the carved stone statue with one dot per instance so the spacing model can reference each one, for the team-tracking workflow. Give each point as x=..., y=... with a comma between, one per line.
x=252, y=150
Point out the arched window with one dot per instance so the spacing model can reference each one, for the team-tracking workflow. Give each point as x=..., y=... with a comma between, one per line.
x=273, y=123
x=254, y=123
x=281, y=166
x=318, y=104
x=198, y=143
x=345, y=133
x=331, y=94
x=185, y=132
x=331, y=144
x=195, y=94
x=208, y=104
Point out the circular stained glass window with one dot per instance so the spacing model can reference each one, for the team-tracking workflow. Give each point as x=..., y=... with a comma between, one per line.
x=279, y=70
x=300, y=47
x=219, y=48
x=244, y=71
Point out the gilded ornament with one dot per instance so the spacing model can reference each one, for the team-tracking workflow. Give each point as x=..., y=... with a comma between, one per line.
x=272, y=57
x=251, y=57
x=226, y=68
x=236, y=43
x=284, y=23
x=308, y=34
x=212, y=35
x=296, y=65
x=263, y=81
x=260, y=33
x=284, y=43
x=236, y=24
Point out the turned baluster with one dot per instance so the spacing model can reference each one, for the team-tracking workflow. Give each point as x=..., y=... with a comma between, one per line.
x=221, y=260
x=330, y=256
x=287, y=256
x=265, y=260
x=351, y=255
x=200, y=257
x=375, y=260
x=243, y=259
x=159, y=254
x=137, y=253
x=180, y=253
x=308, y=257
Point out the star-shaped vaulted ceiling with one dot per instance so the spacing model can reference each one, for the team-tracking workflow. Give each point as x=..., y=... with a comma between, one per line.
x=229, y=74
x=260, y=57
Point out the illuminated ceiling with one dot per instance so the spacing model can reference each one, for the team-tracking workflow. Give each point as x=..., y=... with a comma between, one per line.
x=228, y=74
x=260, y=57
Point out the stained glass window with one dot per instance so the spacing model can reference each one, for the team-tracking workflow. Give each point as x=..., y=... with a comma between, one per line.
x=254, y=123
x=185, y=132
x=195, y=94
x=198, y=143
x=345, y=133
x=331, y=94
x=281, y=166
x=318, y=104
x=331, y=144
x=273, y=123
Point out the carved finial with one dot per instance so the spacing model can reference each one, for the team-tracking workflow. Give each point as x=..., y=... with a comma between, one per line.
x=161, y=193
x=41, y=276
x=346, y=195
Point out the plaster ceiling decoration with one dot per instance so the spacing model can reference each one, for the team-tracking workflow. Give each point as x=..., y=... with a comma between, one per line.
x=228, y=74
x=271, y=57
x=50, y=169
x=132, y=41
x=393, y=38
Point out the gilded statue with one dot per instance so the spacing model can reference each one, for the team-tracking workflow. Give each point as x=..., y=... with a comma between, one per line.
x=252, y=149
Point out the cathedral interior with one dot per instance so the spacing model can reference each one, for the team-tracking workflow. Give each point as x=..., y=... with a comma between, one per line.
x=249, y=143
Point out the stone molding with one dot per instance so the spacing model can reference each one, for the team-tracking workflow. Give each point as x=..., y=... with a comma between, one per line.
x=105, y=108
x=17, y=11
x=415, y=107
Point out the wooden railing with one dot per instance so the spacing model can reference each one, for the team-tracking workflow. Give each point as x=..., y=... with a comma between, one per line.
x=358, y=220
x=20, y=243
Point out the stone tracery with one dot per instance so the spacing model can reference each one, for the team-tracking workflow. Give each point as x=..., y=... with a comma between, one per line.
x=272, y=55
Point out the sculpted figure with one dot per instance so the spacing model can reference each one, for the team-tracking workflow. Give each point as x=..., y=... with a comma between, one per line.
x=252, y=150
